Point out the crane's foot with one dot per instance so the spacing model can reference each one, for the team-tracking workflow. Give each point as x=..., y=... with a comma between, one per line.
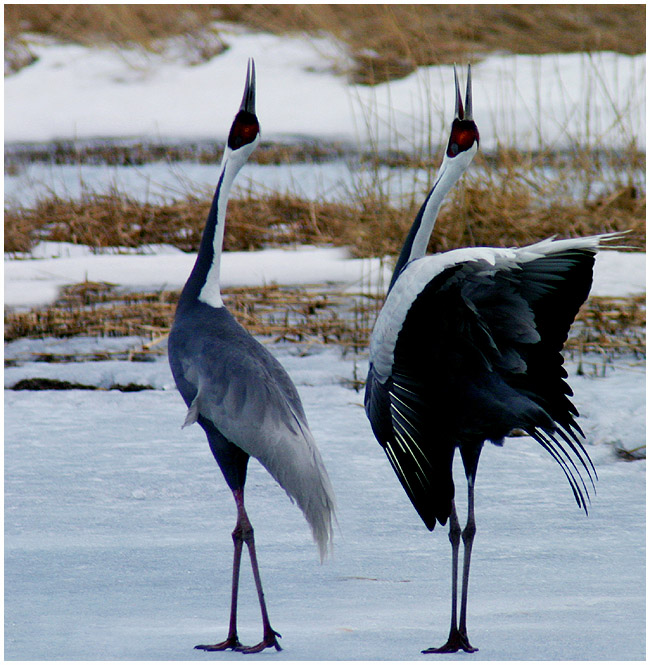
x=229, y=643
x=270, y=640
x=457, y=641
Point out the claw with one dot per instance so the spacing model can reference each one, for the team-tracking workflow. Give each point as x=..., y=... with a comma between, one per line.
x=268, y=642
x=229, y=643
x=456, y=642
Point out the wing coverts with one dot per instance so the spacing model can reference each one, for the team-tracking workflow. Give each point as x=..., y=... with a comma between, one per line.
x=477, y=354
x=248, y=397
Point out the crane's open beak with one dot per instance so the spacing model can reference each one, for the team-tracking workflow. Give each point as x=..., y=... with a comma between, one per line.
x=248, y=100
x=466, y=113
x=245, y=127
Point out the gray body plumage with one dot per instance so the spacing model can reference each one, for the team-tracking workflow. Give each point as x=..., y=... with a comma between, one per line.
x=239, y=393
x=246, y=402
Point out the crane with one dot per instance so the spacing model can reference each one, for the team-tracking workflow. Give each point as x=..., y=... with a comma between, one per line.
x=466, y=349
x=239, y=393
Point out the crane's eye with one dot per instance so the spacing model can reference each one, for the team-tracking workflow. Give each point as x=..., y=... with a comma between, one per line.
x=244, y=130
x=453, y=149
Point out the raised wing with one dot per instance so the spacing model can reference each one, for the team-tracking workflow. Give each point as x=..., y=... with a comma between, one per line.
x=475, y=354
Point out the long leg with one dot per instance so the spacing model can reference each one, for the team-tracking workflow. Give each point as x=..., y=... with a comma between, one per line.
x=270, y=636
x=454, y=539
x=453, y=642
x=457, y=639
x=468, y=539
x=232, y=641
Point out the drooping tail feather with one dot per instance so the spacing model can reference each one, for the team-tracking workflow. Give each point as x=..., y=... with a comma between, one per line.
x=299, y=470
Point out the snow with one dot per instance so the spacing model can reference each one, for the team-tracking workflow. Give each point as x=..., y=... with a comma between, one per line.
x=619, y=274
x=37, y=280
x=117, y=534
x=551, y=101
x=117, y=523
x=30, y=282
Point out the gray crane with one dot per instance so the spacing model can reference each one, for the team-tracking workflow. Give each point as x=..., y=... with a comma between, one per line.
x=466, y=349
x=239, y=393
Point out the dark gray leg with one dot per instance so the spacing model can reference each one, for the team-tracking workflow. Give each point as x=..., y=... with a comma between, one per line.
x=457, y=639
x=270, y=636
x=454, y=539
x=232, y=641
x=468, y=539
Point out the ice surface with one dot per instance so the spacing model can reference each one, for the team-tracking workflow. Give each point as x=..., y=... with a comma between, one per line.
x=117, y=535
x=117, y=523
x=619, y=274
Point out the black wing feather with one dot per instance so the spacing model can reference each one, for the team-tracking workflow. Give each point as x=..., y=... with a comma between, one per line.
x=478, y=355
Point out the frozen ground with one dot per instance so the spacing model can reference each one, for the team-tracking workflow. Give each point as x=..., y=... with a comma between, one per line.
x=117, y=523
x=117, y=534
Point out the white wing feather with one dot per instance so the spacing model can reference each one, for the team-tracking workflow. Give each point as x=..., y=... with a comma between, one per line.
x=418, y=273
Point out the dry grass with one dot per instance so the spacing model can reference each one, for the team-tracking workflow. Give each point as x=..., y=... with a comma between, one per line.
x=390, y=41
x=95, y=309
x=385, y=41
x=116, y=220
x=481, y=212
x=512, y=213
x=138, y=153
x=605, y=325
x=305, y=315
x=91, y=24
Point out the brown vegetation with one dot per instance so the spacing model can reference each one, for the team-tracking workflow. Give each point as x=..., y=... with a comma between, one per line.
x=605, y=326
x=390, y=41
x=385, y=41
x=478, y=213
x=100, y=24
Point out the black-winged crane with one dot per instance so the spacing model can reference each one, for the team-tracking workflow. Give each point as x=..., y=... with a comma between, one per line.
x=466, y=349
x=239, y=393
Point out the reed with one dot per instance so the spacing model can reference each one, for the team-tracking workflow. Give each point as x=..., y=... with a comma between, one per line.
x=481, y=212
x=307, y=315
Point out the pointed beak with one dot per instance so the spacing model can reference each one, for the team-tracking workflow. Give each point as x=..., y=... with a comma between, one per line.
x=468, y=94
x=459, y=102
x=248, y=100
x=464, y=113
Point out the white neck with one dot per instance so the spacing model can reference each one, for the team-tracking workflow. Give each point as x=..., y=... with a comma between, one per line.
x=230, y=166
x=451, y=169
